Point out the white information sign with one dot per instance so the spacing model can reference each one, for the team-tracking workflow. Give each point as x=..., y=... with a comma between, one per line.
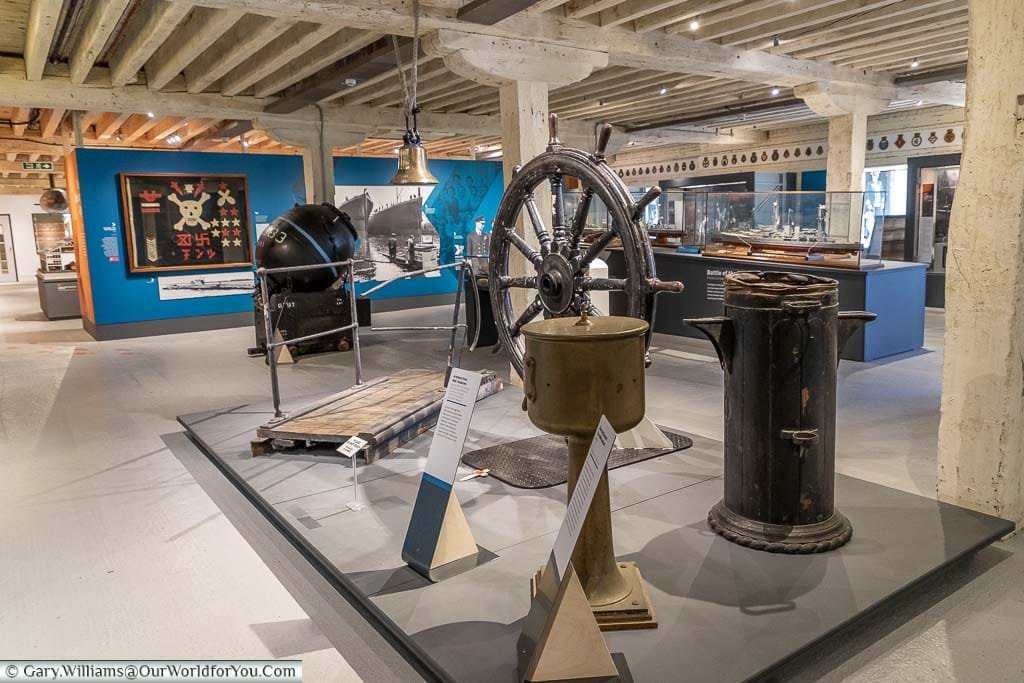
x=582, y=495
x=352, y=446
x=452, y=425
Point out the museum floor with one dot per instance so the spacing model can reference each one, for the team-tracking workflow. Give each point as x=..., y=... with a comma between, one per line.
x=115, y=547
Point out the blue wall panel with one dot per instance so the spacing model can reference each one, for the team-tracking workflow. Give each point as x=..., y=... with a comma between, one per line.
x=275, y=184
x=812, y=181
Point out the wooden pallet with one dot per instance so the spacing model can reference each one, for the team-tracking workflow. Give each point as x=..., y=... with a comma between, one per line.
x=387, y=412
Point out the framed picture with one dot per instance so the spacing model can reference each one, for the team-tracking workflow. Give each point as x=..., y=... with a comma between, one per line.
x=177, y=221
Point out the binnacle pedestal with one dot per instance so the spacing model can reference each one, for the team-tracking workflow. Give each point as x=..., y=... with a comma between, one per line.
x=575, y=371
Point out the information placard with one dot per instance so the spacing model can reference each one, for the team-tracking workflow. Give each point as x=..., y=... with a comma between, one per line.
x=452, y=425
x=582, y=495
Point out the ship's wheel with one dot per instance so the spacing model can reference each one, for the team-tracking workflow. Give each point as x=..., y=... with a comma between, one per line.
x=555, y=273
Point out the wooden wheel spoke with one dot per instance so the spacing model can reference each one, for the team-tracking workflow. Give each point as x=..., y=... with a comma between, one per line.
x=525, y=282
x=599, y=245
x=604, y=284
x=529, y=314
x=538, y=224
x=558, y=206
x=529, y=252
x=579, y=219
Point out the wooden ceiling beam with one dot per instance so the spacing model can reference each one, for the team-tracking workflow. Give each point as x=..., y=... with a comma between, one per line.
x=915, y=41
x=916, y=27
x=631, y=10
x=49, y=121
x=291, y=45
x=148, y=28
x=110, y=123
x=189, y=40
x=321, y=56
x=625, y=48
x=20, y=117
x=362, y=95
x=137, y=126
x=678, y=15
x=39, y=31
x=101, y=20
x=250, y=34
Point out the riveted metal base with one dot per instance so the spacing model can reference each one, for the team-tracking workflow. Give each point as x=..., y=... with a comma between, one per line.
x=800, y=539
x=632, y=612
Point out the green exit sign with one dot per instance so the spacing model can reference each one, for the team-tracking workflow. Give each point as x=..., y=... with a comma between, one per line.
x=37, y=165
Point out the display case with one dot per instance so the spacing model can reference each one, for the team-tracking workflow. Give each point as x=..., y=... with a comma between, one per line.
x=676, y=220
x=832, y=229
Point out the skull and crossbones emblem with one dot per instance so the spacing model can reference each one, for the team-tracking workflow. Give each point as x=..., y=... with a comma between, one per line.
x=191, y=211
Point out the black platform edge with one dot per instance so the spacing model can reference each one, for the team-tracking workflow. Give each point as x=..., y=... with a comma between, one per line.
x=875, y=607
x=409, y=650
x=432, y=671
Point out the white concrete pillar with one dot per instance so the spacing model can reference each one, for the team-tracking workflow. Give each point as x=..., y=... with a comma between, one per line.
x=318, y=173
x=524, y=135
x=847, y=137
x=981, y=433
x=317, y=152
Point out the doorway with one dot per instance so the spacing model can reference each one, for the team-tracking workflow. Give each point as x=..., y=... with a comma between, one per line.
x=8, y=268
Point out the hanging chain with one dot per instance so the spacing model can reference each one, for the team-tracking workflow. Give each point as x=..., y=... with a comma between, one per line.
x=409, y=91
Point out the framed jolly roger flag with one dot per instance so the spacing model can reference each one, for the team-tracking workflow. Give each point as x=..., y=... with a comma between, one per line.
x=175, y=221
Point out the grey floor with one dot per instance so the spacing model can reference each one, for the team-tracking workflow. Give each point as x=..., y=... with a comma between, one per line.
x=115, y=547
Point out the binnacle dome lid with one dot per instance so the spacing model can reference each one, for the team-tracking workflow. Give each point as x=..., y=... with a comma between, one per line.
x=592, y=328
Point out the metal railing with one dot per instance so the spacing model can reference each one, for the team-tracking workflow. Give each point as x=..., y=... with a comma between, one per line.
x=454, y=353
x=268, y=327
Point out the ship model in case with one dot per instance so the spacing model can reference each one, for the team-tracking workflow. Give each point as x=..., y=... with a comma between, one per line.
x=829, y=229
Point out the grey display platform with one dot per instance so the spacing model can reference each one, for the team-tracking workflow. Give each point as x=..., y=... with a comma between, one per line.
x=726, y=613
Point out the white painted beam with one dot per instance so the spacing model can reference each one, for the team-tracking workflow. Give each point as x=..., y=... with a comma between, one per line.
x=150, y=25
x=100, y=22
x=39, y=30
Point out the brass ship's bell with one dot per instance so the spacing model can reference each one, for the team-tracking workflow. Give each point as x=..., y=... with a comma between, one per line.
x=575, y=371
x=412, y=163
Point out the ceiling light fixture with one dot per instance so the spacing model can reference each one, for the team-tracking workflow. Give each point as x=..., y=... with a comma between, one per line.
x=914, y=63
x=694, y=24
x=150, y=114
x=920, y=102
x=775, y=91
x=663, y=90
x=775, y=41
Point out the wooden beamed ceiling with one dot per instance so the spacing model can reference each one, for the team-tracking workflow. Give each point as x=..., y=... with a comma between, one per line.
x=281, y=56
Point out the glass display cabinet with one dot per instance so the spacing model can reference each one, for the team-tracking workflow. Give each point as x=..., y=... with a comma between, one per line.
x=832, y=229
x=676, y=220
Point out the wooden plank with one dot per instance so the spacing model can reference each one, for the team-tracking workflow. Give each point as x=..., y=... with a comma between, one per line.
x=292, y=45
x=103, y=17
x=240, y=42
x=150, y=25
x=203, y=27
x=42, y=23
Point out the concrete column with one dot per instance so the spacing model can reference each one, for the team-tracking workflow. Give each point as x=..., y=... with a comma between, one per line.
x=524, y=135
x=847, y=137
x=981, y=434
x=318, y=172
x=317, y=153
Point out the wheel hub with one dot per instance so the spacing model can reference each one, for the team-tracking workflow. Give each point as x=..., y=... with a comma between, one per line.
x=555, y=283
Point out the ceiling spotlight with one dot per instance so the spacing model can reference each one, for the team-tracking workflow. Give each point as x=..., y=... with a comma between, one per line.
x=775, y=91
x=245, y=144
x=914, y=63
x=600, y=103
x=663, y=90
x=920, y=102
x=694, y=24
x=775, y=41
x=150, y=114
x=350, y=82
x=117, y=135
x=395, y=150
